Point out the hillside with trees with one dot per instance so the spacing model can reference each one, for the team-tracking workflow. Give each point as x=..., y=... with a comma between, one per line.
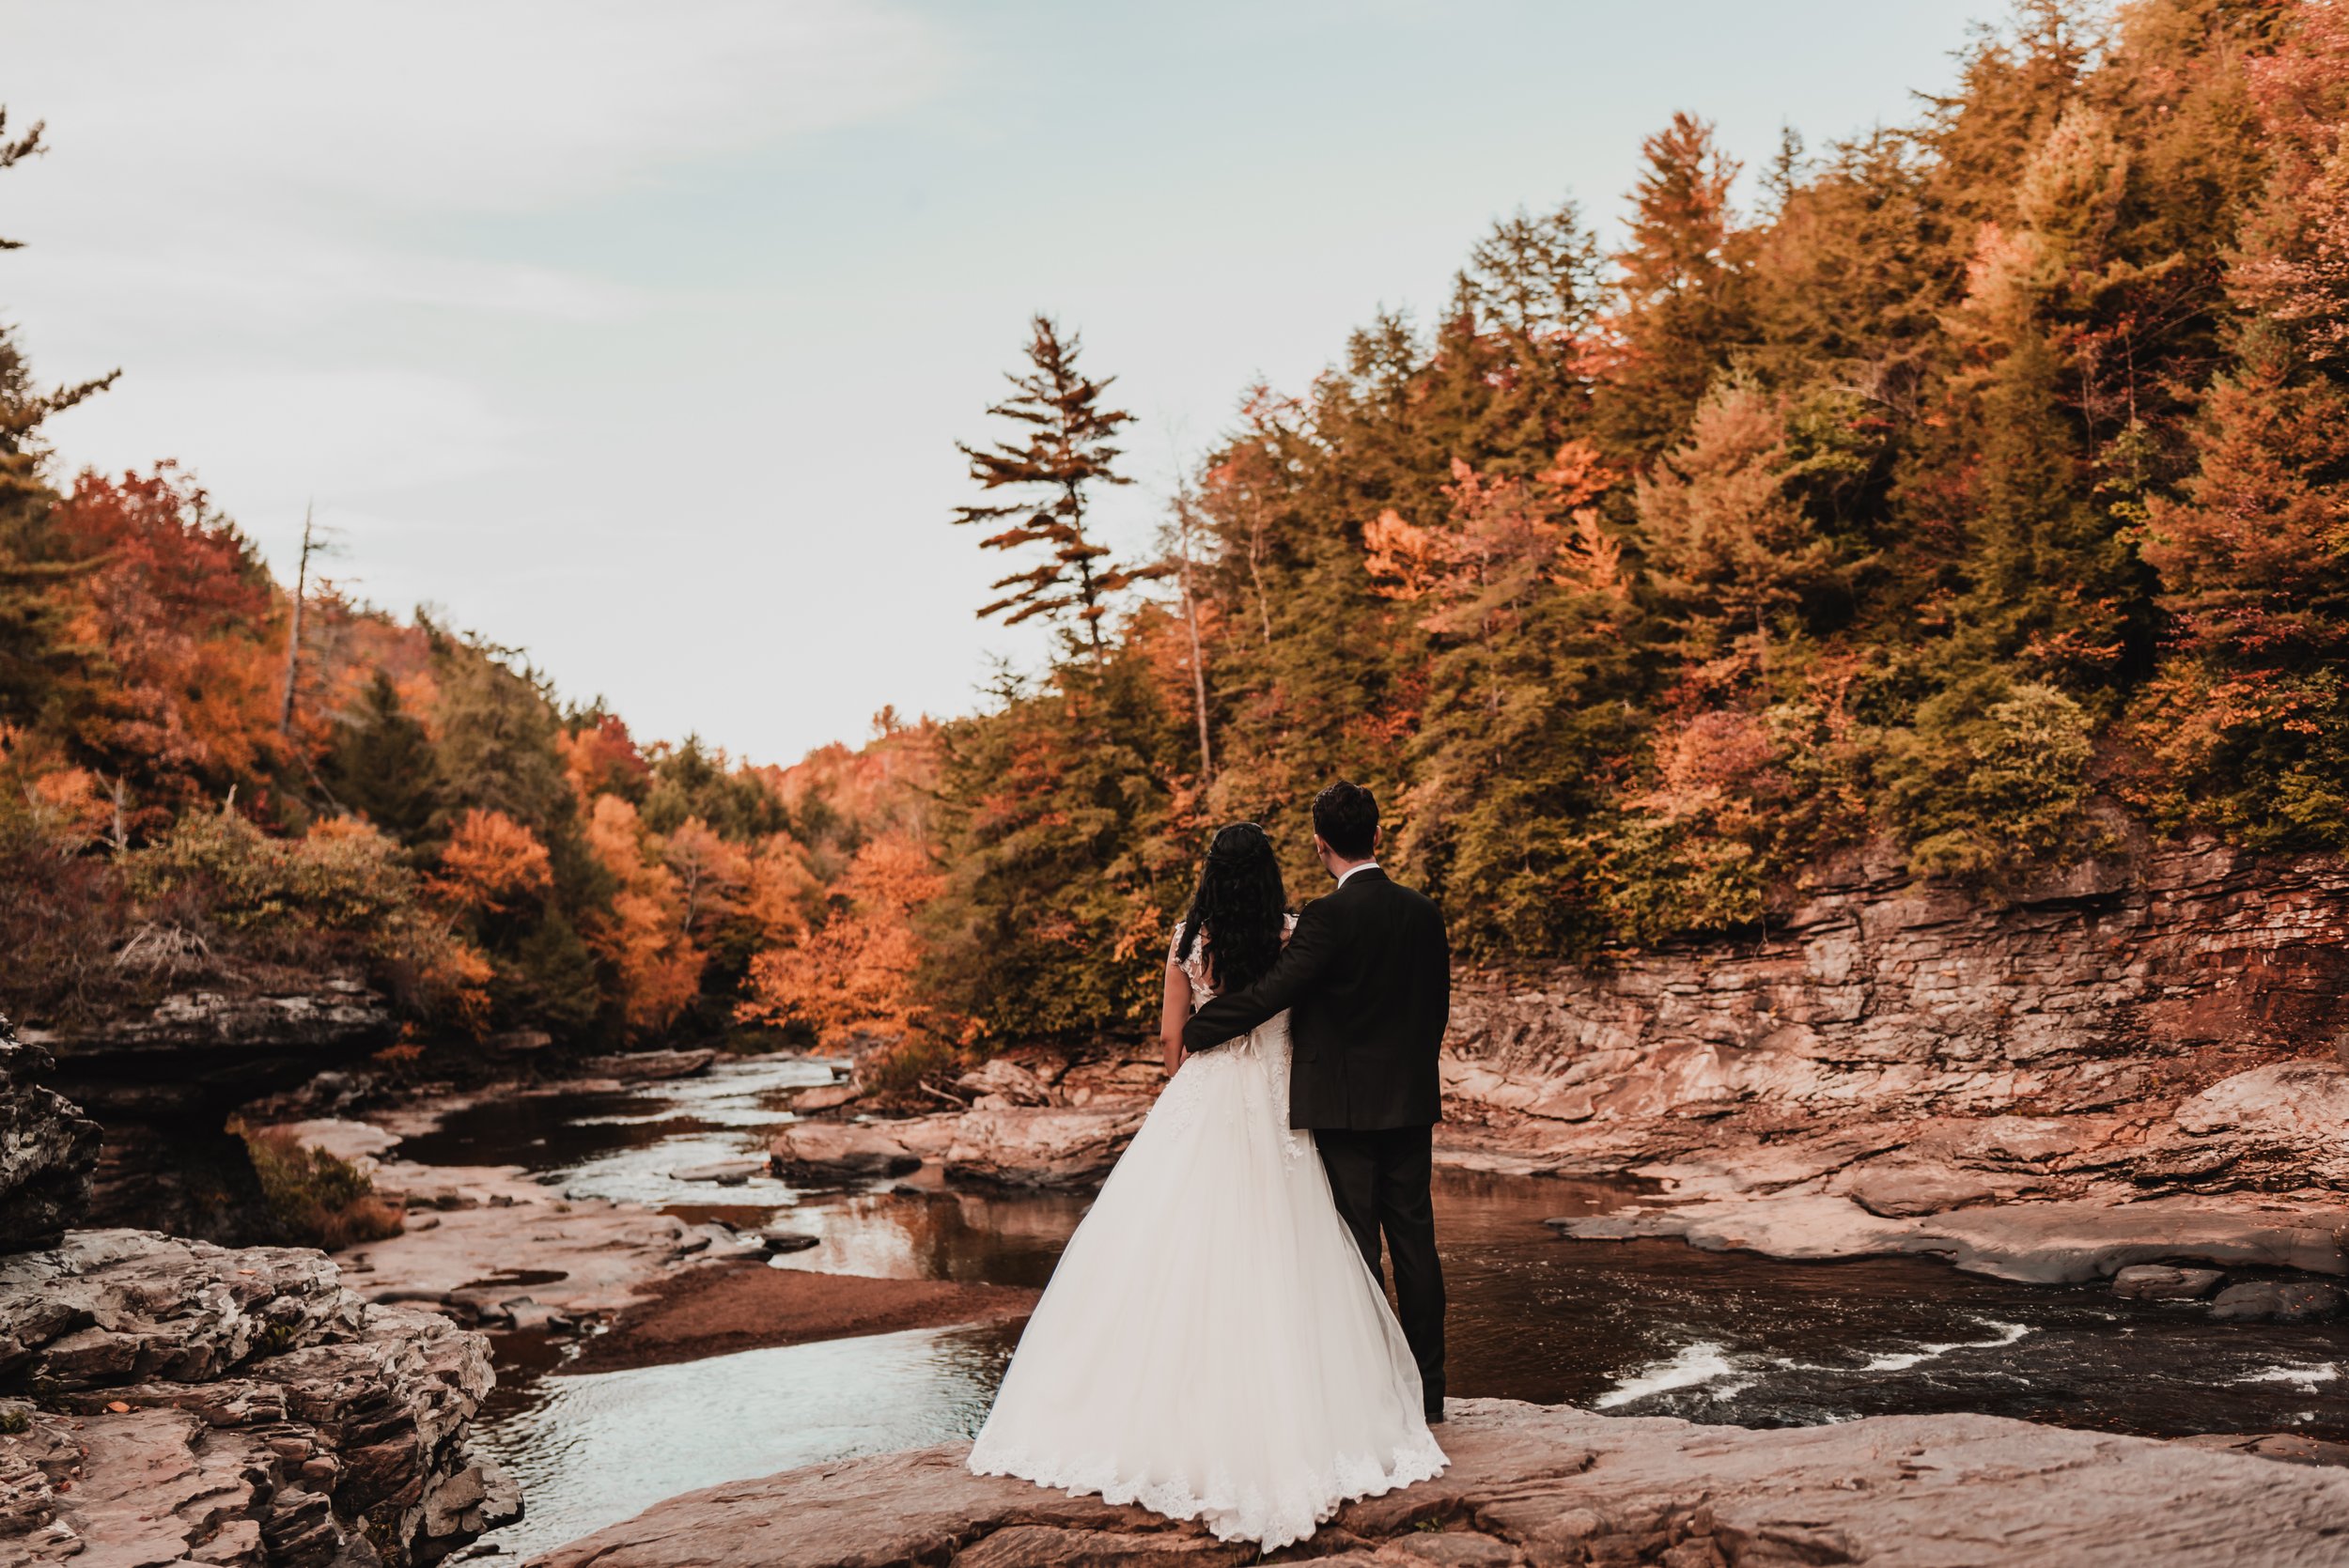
x=1975, y=489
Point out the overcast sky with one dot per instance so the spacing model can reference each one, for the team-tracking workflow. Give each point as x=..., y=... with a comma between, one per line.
x=640, y=335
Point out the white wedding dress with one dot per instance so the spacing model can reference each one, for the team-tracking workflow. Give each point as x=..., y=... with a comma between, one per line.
x=1211, y=1345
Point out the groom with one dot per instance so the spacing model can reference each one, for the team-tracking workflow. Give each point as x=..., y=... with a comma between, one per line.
x=1368, y=976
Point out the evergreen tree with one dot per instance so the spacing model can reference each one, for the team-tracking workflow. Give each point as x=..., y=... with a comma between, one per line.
x=2251, y=712
x=689, y=781
x=1729, y=548
x=382, y=763
x=1067, y=853
x=1681, y=310
x=38, y=660
x=1066, y=451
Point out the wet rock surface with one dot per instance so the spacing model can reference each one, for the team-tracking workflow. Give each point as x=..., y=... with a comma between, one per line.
x=729, y=1306
x=646, y=1065
x=179, y=1400
x=48, y=1150
x=2044, y=1243
x=1544, y=1484
x=836, y=1151
x=492, y=1247
x=2278, y=1301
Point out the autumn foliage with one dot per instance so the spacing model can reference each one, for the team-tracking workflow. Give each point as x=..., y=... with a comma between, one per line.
x=1973, y=490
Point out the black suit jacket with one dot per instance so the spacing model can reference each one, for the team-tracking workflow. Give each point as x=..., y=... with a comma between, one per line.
x=1367, y=978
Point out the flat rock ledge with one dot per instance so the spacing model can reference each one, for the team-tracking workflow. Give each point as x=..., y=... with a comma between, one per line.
x=2041, y=1243
x=1543, y=1484
x=166, y=1402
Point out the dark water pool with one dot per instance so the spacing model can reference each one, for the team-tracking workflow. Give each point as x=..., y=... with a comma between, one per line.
x=1643, y=1327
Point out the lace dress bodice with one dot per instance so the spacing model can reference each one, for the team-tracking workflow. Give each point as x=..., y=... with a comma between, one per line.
x=1196, y=967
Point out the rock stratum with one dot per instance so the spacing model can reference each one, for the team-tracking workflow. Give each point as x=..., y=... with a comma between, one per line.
x=2114, y=1012
x=167, y=1401
x=2138, y=1060
x=1542, y=1484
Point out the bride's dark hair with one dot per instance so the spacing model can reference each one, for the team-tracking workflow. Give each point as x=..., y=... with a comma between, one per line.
x=1240, y=906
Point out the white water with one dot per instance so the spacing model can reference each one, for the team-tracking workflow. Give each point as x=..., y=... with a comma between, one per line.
x=2007, y=1333
x=1695, y=1364
x=2304, y=1376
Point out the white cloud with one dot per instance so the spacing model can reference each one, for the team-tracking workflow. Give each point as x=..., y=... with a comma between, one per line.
x=264, y=438
x=278, y=279
x=444, y=104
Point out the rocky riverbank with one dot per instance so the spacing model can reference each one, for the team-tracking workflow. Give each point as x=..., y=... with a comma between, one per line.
x=491, y=1247
x=1548, y=1484
x=171, y=1401
x=2138, y=1060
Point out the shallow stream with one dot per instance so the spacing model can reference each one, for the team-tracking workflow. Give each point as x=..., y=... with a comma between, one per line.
x=1633, y=1329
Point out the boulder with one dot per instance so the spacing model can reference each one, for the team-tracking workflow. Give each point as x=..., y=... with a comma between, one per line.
x=1550, y=1484
x=181, y=1401
x=1896, y=1190
x=2287, y=1117
x=2154, y=1282
x=2276, y=1301
x=833, y=1151
x=1071, y=1147
x=649, y=1065
x=824, y=1096
x=48, y=1150
x=778, y=1240
x=1008, y=1081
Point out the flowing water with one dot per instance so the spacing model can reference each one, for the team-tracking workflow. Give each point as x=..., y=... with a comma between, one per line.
x=1634, y=1327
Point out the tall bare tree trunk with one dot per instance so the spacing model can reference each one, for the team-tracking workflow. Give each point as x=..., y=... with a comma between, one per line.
x=1198, y=654
x=293, y=637
x=1255, y=568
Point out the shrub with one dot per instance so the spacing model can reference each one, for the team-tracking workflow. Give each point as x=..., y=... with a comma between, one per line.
x=1991, y=778
x=316, y=1199
x=341, y=875
x=900, y=1067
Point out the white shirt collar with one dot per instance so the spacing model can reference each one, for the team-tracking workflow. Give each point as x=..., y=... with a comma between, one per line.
x=1359, y=865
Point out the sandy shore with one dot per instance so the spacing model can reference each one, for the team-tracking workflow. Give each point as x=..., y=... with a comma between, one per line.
x=724, y=1307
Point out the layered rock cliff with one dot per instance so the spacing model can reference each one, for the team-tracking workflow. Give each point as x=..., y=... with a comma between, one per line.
x=2160, y=1027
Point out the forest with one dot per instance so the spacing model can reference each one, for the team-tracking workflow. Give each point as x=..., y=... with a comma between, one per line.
x=1975, y=490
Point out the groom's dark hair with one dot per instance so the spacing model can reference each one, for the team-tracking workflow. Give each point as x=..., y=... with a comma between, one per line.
x=1346, y=817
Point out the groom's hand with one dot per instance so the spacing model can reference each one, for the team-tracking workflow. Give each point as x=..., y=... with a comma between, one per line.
x=1310, y=949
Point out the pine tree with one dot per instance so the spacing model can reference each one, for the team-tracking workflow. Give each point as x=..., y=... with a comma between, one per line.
x=1729, y=547
x=1681, y=309
x=36, y=656
x=380, y=765
x=1067, y=451
x=2251, y=712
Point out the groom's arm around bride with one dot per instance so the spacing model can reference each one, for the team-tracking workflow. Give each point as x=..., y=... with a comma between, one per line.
x=1366, y=979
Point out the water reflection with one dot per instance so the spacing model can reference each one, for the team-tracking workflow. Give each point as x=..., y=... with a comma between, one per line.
x=629, y=1143
x=900, y=1234
x=590, y=1451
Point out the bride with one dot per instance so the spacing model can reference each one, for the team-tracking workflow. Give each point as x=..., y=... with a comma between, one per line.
x=1212, y=1344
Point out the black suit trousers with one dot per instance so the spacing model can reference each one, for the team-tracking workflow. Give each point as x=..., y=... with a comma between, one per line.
x=1381, y=1181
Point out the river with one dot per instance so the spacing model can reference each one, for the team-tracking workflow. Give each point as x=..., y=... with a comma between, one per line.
x=1632, y=1327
